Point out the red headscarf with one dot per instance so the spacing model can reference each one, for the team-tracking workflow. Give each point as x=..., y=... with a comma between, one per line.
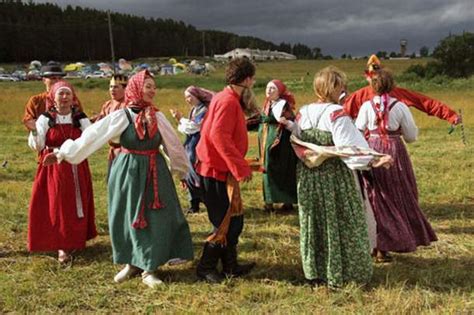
x=282, y=93
x=146, y=119
x=52, y=93
x=201, y=94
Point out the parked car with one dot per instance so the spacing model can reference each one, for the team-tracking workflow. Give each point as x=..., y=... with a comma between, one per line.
x=74, y=75
x=20, y=75
x=96, y=74
x=8, y=77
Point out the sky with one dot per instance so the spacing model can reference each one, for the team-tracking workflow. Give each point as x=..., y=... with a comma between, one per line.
x=357, y=27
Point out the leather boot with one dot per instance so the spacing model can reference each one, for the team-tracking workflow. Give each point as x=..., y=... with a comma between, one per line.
x=194, y=207
x=230, y=266
x=207, y=267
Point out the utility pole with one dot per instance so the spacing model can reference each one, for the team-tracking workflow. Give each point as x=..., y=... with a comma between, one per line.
x=111, y=36
x=203, y=44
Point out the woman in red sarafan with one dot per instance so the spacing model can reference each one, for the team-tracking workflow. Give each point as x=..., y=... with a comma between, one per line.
x=61, y=213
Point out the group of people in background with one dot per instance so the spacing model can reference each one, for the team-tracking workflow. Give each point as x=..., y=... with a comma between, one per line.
x=337, y=200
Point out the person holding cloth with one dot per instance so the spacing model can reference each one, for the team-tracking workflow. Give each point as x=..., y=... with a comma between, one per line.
x=146, y=223
x=61, y=213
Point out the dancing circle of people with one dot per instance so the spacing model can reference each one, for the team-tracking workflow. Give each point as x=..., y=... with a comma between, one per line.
x=342, y=160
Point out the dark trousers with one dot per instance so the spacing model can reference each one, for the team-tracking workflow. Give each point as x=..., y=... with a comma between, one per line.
x=217, y=203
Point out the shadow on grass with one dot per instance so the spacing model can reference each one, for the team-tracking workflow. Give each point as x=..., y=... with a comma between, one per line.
x=442, y=274
x=456, y=230
x=438, y=211
x=186, y=273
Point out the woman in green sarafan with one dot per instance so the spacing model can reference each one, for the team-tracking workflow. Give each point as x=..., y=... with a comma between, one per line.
x=146, y=223
x=277, y=158
x=333, y=230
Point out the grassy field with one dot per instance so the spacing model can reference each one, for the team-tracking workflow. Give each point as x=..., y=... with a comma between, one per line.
x=435, y=279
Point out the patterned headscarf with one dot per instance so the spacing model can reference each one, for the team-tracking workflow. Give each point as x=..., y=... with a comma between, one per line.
x=282, y=93
x=201, y=94
x=146, y=119
x=50, y=104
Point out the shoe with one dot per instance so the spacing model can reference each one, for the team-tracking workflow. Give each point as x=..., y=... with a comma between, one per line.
x=382, y=257
x=268, y=207
x=176, y=261
x=126, y=273
x=230, y=266
x=151, y=280
x=207, y=267
x=287, y=207
x=64, y=257
x=194, y=208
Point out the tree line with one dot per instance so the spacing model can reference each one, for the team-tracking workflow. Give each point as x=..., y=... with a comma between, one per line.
x=46, y=31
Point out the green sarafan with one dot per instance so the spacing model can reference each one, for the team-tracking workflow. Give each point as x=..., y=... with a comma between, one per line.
x=434, y=279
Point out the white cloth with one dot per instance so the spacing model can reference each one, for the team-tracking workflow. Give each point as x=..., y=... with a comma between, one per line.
x=343, y=131
x=369, y=215
x=399, y=117
x=110, y=128
x=188, y=126
x=37, y=142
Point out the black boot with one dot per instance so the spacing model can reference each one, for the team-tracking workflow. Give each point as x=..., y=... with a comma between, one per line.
x=230, y=266
x=194, y=208
x=207, y=267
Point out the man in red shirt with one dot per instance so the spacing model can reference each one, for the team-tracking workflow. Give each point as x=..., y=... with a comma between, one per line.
x=221, y=164
x=430, y=106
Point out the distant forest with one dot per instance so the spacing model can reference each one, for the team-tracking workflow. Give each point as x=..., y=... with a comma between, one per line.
x=31, y=31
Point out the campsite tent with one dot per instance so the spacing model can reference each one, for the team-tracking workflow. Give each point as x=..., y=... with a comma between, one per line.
x=74, y=67
x=35, y=65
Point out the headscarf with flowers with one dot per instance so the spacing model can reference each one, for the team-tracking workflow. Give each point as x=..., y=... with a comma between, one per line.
x=145, y=121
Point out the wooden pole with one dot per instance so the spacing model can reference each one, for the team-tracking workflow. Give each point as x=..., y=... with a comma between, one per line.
x=111, y=36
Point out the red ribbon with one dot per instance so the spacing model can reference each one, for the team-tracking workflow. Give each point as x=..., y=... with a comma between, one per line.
x=140, y=222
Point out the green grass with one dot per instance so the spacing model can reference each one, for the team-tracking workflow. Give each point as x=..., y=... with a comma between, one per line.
x=435, y=279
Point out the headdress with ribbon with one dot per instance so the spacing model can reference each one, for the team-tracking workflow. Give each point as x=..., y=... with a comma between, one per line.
x=145, y=122
x=373, y=64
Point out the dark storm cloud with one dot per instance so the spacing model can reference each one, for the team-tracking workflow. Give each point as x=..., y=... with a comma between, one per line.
x=336, y=26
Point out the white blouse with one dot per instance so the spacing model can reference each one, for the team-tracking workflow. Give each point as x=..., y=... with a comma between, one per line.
x=37, y=142
x=110, y=128
x=399, y=117
x=343, y=131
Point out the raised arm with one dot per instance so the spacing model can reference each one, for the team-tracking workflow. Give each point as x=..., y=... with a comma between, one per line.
x=425, y=104
x=93, y=138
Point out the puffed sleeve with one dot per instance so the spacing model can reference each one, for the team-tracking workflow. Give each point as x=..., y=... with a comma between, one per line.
x=85, y=122
x=178, y=159
x=363, y=118
x=407, y=124
x=37, y=142
x=93, y=138
x=344, y=133
x=188, y=127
